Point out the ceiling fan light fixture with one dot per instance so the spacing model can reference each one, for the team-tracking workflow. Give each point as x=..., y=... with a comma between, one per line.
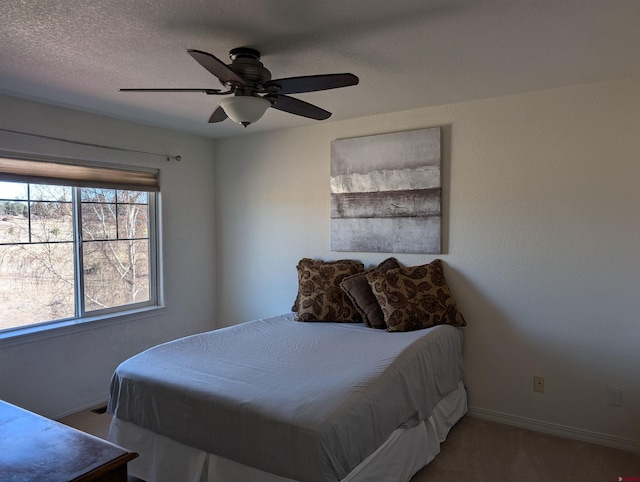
x=245, y=109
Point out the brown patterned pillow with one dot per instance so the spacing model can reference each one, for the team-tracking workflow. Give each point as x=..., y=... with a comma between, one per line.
x=309, y=261
x=359, y=292
x=415, y=298
x=320, y=297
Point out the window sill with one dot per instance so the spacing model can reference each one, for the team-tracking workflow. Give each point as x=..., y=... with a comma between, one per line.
x=63, y=328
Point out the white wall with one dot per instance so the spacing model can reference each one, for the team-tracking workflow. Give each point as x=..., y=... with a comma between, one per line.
x=66, y=373
x=541, y=236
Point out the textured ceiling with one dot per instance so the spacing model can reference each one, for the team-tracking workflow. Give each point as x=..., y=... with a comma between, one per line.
x=407, y=54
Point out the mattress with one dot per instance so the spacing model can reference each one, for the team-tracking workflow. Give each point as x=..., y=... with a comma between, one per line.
x=303, y=401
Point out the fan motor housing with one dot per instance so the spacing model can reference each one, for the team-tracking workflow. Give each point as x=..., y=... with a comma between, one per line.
x=246, y=63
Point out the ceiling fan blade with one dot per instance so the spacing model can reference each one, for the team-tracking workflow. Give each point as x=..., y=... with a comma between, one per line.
x=311, y=83
x=218, y=115
x=297, y=107
x=217, y=67
x=206, y=91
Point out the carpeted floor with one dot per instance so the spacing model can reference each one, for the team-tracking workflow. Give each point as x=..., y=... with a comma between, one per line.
x=480, y=451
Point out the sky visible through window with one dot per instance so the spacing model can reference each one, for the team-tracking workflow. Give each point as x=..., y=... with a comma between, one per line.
x=13, y=190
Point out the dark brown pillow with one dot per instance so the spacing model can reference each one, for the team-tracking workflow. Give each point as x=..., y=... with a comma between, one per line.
x=320, y=297
x=415, y=298
x=359, y=292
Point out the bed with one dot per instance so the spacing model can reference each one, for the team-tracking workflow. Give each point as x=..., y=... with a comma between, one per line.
x=279, y=400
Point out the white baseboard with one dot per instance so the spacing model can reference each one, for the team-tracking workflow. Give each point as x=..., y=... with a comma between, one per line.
x=80, y=407
x=555, y=429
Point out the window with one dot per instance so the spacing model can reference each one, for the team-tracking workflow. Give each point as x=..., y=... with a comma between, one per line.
x=74, y=249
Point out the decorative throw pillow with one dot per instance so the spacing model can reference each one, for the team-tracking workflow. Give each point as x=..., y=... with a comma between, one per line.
x=359, y=292
x=309, y=261
x=320, y=297
x=415, y=298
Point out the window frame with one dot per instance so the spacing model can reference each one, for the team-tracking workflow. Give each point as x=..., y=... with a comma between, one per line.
x=82, y=320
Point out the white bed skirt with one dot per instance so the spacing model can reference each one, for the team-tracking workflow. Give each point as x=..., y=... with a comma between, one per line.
x=404, y=453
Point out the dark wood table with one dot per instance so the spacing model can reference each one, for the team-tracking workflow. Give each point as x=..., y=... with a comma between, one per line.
x=34, y=448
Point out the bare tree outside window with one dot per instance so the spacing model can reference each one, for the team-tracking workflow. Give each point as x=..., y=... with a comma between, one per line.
x=115, y=243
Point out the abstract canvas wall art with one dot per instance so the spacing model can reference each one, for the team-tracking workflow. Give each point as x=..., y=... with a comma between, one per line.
x=386, y=193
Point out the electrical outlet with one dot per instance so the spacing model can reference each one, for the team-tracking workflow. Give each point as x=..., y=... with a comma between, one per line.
x=538, y=384
x=615, y=396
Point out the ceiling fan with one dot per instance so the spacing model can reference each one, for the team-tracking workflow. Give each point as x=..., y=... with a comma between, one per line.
x=254, y=91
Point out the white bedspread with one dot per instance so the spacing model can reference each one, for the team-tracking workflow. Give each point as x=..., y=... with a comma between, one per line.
x=306, y=401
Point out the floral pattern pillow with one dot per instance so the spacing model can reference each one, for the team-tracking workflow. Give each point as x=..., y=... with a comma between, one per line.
x=320, y=297
x=414, y=298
